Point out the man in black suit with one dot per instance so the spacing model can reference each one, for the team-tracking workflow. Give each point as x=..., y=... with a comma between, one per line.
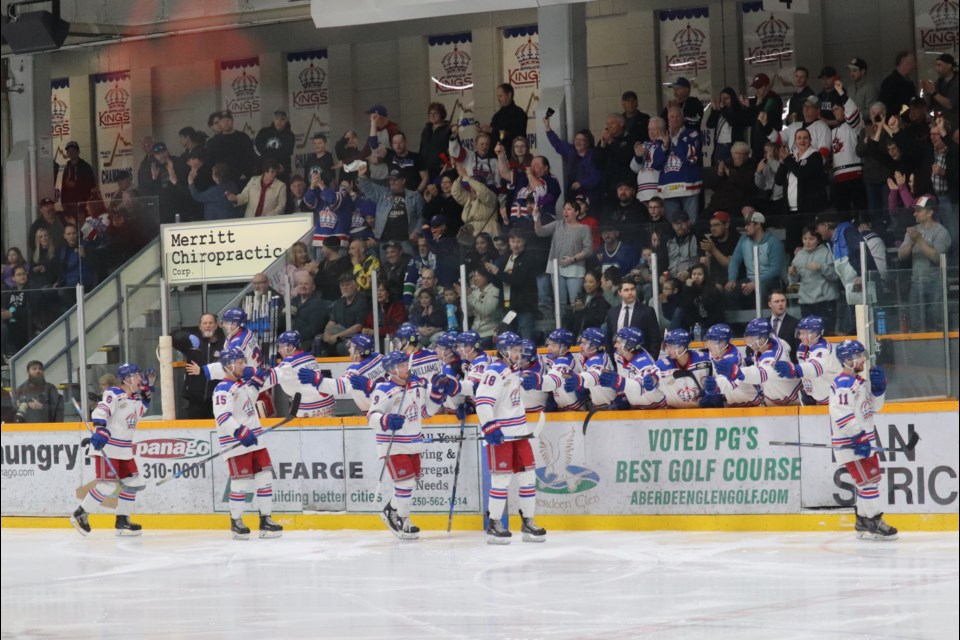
x=784, y=325
x=631, y=312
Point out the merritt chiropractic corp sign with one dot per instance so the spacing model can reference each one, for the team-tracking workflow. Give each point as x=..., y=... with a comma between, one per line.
x=227, y=250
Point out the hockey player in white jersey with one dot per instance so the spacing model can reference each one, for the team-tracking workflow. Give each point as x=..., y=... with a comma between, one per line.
x=233, y=322
x=637, y=376
x=115, y=420
x=503, y=422
x=682, y=371
x=451, y=369
x=366, y=368
x=474, y=361
x=594, y=361
x=249, y=466
x=776, y=390
x=314, y=402
x=719, y=391
x=397, y=407
x=531, y=374
x=558, y=365
x=426, y=363
x=853, y=403
x=817, y=365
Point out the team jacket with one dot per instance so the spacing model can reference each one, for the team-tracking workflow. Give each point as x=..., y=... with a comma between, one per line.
x=499, y=403
x=120, y=411
x=313, y=402
x=680, y=390
x=820, y=368
x=852, y=407
x=680, y=165
x=776, y=390
x=333, y=213
x=554, y=373
x=633, y=372
x=235, y=405
x=414, y=405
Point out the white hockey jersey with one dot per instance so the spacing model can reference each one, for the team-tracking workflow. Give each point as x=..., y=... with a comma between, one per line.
x=246, y=341
x=121, y=411
x=533, y=399
x=371, y=367
x=414, y=405
x=555, y=371
x=425, y=364
x=682, y=385
x=473, y=373
x=821, y=139
x=590, y=371
x=852, y=407
x=776, y=390
x=235, y=405
x=313, y=402
x=820, y=367
x=499, y=401
x=847, y=165
x=633, y=372
x=738, y=393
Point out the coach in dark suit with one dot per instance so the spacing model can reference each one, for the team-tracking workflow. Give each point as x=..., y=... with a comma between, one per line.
x=633, y=313
x=783, y=324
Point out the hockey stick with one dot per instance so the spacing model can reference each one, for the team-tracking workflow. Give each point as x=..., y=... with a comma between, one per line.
x=393, y=434
x=456, y=472
x=83, y=419
x=294, y=407
x=594, y=410
x=907, y=448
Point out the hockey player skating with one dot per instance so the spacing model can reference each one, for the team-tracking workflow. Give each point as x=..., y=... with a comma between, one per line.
x=397, y=407
x=594, y=361
x=637, y=376
x=682, y=371
x=558, y=365
x=114, y=420
x=503, y=422
x=315, y=403
x=853, y=403
x=817, y=365
x=249, y=466
x=720, y=391
x=770, y=349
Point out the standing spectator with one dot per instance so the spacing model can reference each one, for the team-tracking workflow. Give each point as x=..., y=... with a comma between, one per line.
x=200, y=345
x=626, y=214
x=298, y=261
x=847, y=192
x=718, y=246
x=399, y=214
x=679, y=159
x=897, y=89
x=481, y=162
x=875, y=171
x=409, y=163
x=483, y=303
x=168, y=181
x=768, y=112
x=829, y=98
x=14, y=259
x=202, y=171
x=590, y=307
x=631, y=312
x=143, y=169
x=860, y=90
x=691, y=108
x=771, y=261
x=435, y=138
x=439, y=201
x=232, y=147
x=483, y=251
x=765, y=179
x=944, y=94
x=571, y=245
x=264, y=195
x=820, y=136
x=392, y=313
x=36, y=399
x=729, y=121
x=44, y=268
x=813, y=277
x=582, y=174
x=276, y=142
x=48, y=220
x=347, y=316
x=613, y=156
x=516, y=272
x=17, y=309
x=783, y=326
x=804, y=183
x=322, y=162
x=295, y=201
x=635, y=122
x=945, y=175
x=216, y=203
x=331, y=267
x=382, y=130
x=642, y=163
x=479, y=202
x=510, y=120
x=78, y=180
x=73, y=268
x=924, y=244
x=733, y=181
x=348, y=150
x=801, y=91
x=844, y=240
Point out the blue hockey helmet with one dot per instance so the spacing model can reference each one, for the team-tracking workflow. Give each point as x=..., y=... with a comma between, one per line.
x=594, y=336
x=235, y=315
x=848, y=350
x=469, y=339
x=631, y=338
x=719, y=332
x=126, y=370
x=758, y=328
x=362, y=344
x=561, y=336
x=507, y=340
x=529, y=350
x=811, y=323
x=290, y=338
x=407, y=334
x=231, y=355
x=677, y=338
x=393, y=360
x=448, y=340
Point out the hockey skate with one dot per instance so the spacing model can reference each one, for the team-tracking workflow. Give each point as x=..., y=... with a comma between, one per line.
x=126, y=528
x=240, y=531
x=531, y=532
x=496, y=534
x=400, y=527
x=874, y=528
x=79, y=521
x=269, y=528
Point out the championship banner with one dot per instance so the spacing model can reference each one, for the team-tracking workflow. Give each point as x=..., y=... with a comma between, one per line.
x=60, y=117
x=685, y=47
x=451, y=74
x=936, y=24
x=769, y=46
x=114, y=128
x=240, y=93
x=521, y=68
x=309, y=110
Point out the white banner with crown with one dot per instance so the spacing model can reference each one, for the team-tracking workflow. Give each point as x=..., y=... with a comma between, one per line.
x=768, y=46
x=685, y=51
x=451, y=73
x=521, y=68
x=936, y=24
x=240, y=93
x=309, y=101
x=60, y=117
x=111, y=104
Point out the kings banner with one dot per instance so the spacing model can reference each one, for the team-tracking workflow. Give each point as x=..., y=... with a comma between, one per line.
x=111, y=104
x=309, y=110
x=768, y=46
x=521, y=68
x=240, y=93
x=936, y=23
x=60, y=117
x=451, y=73
x=685, y=50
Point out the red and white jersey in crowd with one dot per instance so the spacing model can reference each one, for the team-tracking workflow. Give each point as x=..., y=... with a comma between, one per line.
x=414, y=405
x=776, y=390
x=555, y=371
x=738, y=393
x=633, y=373
x=852, y=407
x=121, y=411
x=499, y=402
x=235, y=406
x=820, y=367
x=647, y=177
x=246, y=341
x=821, y=139
x=680, y=389
x=313, y=402
x=590, y=371
x=847, y=165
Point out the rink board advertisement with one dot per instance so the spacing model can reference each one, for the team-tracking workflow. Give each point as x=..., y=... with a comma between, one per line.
x=227, y=251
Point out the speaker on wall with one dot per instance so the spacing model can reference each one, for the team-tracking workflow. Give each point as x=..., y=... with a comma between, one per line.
x=35, y=31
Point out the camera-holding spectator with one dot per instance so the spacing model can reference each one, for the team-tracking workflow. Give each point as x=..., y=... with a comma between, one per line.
x=718, y=246
x=277, y=142
x=14, y=259
x=700, y=301
x=36, y=400
x=923, y=244
x=729, y=121
x=813, y=277
x=200, y=346
x=264, y=194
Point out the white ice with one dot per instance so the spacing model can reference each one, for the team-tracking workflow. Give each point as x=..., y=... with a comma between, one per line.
x=367, y=584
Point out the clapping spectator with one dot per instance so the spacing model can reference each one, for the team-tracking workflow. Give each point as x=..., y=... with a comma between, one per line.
x=729, y=121
x=483, y=303
x=813, y=276
x=733, y=181
x=804, y=183
x=923, y=244
x=483, y=251
x=765, y=179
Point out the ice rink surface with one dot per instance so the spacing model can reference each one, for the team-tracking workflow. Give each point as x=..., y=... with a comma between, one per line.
x=367, y=584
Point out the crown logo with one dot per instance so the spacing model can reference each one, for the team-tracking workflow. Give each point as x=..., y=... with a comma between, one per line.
x=244, y=85
x=312, y=78
x=772, y=32
x=117, y=98
x=946, y=14
x=689, y=41
x=528, y=55
x=58, y=110
x=456, y=63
